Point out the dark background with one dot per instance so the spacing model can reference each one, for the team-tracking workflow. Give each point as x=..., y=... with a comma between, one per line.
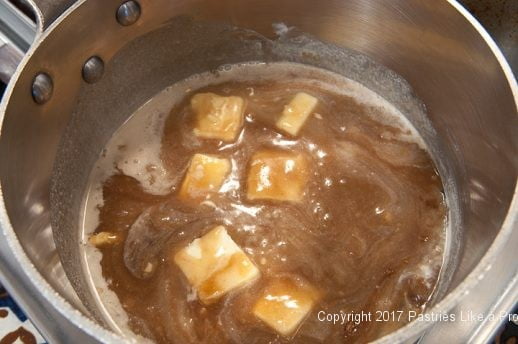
x=500, y=18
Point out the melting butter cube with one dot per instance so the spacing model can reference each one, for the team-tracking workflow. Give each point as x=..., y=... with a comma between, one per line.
x=215, y=265
x=284, y=305
x=218, y=117
x=206, y=174
x=277, y=175
x=103, y=239
x=296, y=113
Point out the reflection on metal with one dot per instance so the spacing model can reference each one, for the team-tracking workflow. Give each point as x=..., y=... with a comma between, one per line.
x=10, y=57
x=93, y=69
x=16, y=35
x=42, y=88
x=19, y=29
x=128, y=13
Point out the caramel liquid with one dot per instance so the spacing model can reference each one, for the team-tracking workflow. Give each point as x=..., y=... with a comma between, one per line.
x=369, y=233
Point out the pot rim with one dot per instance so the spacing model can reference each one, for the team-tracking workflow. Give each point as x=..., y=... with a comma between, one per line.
x=104, y=335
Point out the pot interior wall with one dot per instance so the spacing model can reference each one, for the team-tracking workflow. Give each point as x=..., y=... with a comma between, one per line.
x=470, y=127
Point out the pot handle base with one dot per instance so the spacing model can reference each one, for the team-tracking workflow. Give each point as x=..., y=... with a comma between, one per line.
x=17, y=32
x=49, y=10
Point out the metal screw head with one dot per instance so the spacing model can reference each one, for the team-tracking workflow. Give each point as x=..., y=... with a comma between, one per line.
x=93, y=69
x=128, y=13
x=42, y=88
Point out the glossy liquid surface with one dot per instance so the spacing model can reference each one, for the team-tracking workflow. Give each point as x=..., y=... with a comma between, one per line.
x=368, y=234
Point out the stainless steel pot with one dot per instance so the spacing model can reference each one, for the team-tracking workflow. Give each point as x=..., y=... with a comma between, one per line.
x=61, y=106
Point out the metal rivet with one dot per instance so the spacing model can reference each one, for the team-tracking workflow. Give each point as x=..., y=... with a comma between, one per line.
x=42, y=88
x=93, y=69
x=128, y=13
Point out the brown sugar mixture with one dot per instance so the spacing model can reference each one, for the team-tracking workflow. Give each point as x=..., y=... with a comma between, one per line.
x=273, y=203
